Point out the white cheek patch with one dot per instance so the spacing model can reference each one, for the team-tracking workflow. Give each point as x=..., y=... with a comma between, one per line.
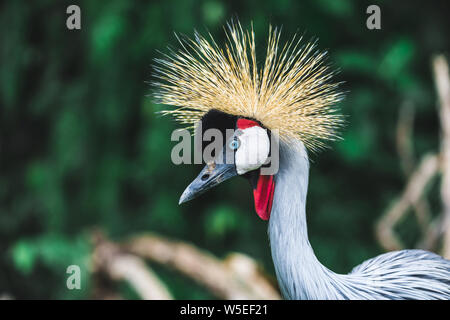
x=253, y=150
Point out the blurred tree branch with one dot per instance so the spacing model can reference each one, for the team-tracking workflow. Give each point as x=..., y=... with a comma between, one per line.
x=429, y=166
x=404, y=133
x=237, y=277
x=405, y=148
x=110, y=259
x=442, y=80
x=414, y=190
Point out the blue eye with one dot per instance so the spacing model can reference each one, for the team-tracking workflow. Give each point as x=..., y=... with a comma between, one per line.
x=234, y=144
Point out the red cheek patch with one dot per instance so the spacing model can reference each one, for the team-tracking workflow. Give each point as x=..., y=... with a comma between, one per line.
x=245, y=123
x=263, y=195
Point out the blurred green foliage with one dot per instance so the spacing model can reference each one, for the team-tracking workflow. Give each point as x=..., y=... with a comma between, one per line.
x=81, y=146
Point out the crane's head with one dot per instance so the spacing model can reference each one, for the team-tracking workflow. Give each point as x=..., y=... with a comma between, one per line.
x=246, y=149
x=222, y=88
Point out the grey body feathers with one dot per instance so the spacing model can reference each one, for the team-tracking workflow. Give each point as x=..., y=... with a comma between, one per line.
x=406, y=274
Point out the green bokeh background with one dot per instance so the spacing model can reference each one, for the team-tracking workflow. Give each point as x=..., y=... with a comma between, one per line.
x=82, y=148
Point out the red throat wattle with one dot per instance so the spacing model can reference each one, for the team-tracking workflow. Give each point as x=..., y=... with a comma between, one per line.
x=263, y=195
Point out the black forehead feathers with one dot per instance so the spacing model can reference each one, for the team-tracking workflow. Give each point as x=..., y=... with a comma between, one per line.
x=218, y=120
x=221, y=120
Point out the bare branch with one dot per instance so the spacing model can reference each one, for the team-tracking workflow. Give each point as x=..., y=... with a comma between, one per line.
x=404, y=137
x=238, y=279
x=432, y=235
x=405, y=151
x=415, y=188
x=107, y=257
x=442, y=80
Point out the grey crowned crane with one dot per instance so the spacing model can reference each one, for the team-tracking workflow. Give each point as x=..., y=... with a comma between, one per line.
x=292, y=98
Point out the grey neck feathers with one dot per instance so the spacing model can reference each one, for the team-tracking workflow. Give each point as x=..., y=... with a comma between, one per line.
x=405, y=274
x=300, y=275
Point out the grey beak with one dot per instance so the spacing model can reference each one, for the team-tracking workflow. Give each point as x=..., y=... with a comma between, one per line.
x=211, y=175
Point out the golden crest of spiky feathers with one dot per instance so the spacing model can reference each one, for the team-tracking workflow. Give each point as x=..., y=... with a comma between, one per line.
x=292, y=93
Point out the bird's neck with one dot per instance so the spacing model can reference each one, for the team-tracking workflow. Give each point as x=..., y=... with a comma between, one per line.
x=300, y=275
